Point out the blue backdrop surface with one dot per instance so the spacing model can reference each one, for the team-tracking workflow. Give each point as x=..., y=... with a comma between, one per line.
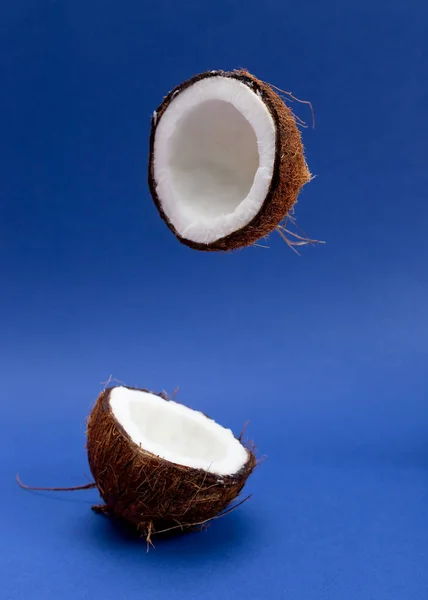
x=325, y=354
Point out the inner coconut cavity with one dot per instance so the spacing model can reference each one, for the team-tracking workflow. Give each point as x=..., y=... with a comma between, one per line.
x=177, y=433
x=214, y=152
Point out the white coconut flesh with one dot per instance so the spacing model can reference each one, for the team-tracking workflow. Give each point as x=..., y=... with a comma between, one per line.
x=213, y=159
x=177, y=433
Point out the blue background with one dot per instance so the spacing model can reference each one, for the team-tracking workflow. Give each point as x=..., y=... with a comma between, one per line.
x=326, y=353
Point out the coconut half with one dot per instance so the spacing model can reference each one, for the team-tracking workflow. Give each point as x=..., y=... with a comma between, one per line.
x=160, y=465
x=226, y=160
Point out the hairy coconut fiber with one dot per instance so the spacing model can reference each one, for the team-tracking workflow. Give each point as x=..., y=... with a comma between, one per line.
x=150, y=493
x=290, y=171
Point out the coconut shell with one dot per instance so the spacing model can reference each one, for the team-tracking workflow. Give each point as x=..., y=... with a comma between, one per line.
x=290, y=171
x=150, y=493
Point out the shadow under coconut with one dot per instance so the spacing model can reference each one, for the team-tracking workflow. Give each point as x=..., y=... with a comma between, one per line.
x=231, y=531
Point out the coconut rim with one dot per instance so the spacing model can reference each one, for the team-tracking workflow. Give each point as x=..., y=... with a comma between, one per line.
x=231, y=477
x=256, y=87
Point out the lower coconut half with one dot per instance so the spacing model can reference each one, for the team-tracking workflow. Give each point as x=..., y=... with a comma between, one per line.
x=161, y=466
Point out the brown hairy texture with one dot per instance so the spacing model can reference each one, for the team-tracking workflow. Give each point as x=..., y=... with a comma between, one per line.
x=290, y=170
x=148, y=492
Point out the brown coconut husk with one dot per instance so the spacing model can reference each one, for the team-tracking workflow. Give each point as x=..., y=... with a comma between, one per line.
x=290, y=171
x=147, y=492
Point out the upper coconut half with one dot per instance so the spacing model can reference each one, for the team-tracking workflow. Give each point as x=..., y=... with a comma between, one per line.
x=226, y=160
x=159, y=464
